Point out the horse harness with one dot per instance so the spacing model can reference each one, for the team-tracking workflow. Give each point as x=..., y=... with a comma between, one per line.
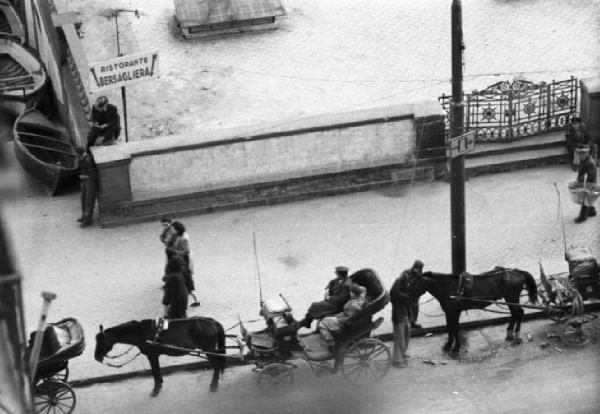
x=467, y=280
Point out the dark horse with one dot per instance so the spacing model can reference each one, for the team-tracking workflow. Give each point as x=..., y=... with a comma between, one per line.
x=197, y=333
x=493, y=285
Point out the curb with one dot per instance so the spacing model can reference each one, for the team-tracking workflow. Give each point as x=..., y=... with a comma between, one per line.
x=386, y=337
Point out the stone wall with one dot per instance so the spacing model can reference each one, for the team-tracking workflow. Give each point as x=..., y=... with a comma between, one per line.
x=248, y=166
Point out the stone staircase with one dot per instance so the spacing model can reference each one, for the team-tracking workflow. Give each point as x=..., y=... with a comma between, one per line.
x=524, y=153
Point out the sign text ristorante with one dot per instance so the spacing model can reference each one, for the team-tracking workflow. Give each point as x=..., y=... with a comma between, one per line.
x=123, y=71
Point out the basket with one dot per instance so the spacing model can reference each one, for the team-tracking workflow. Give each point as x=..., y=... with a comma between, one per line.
x=584, y=195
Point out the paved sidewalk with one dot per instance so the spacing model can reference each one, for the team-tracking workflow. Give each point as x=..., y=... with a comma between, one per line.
x=493, y=377
x=109, y=276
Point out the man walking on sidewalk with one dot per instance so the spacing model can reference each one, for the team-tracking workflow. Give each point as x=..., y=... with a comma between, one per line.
x=587, y=173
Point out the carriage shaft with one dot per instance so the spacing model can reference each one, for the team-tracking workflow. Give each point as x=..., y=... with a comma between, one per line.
x=496, y=302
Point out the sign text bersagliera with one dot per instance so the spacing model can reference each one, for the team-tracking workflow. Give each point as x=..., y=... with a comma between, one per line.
x=123, y=71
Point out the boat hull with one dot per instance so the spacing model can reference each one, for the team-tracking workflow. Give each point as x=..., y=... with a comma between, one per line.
x=23, y=78
x=45, y=151
x=9, y=20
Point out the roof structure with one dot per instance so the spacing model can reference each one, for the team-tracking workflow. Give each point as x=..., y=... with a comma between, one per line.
x=195, y=16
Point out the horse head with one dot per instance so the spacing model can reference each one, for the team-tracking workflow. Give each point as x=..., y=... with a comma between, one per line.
x=103, y=345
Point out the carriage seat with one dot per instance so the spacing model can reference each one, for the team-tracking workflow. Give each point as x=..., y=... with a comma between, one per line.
x=376, y=298
x=261, y=341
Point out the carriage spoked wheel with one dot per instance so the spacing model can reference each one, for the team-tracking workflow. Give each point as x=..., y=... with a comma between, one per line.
x=61, y=375
x=53, y=397
x=366, y=362
x=275, y=378
x=578, y=330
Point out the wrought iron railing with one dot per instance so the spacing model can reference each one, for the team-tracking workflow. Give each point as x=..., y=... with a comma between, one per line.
x=506, y=111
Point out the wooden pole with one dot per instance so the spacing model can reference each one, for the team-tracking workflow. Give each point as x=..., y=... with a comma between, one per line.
x=39, y=334
x=457, y=164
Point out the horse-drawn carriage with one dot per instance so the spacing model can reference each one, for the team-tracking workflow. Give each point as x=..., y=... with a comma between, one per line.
x=361, y=359
x=62, y=340
x=562, y=296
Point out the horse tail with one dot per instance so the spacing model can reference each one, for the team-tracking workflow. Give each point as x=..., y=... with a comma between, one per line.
x=221, y=346
x=530, y=285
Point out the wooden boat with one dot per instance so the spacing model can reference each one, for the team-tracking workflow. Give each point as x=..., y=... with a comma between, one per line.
x=45, y=150
x=10, y=22
x=22, y=76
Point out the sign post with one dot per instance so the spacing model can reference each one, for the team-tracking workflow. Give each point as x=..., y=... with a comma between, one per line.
x=121, y=71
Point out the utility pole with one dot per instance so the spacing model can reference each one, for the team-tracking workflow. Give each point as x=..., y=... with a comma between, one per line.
x=457, y=164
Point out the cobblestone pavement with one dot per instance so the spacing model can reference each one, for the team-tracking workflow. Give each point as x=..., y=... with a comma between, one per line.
x=111, y=276
x=336, y=56
x=493, y=378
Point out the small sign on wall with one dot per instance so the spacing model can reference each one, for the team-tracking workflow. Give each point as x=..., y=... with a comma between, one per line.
x=123, y=71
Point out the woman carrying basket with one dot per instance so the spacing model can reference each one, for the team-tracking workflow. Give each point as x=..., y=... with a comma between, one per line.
x=586, y=174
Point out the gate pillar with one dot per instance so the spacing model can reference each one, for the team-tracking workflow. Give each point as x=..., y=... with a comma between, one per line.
x=590, y=105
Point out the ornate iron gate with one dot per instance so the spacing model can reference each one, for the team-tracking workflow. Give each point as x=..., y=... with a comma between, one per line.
x=506, y=111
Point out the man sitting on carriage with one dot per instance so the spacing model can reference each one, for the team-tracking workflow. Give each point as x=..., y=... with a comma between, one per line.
x=330, y=324
x=336, y=295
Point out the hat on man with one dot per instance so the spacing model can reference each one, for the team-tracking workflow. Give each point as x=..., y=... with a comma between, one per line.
x=418, y=264
x=341, y=269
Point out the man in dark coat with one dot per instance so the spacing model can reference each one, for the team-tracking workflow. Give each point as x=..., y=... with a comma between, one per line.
x=175, y=294
x=411, y=274
x=577, y=136
x=88, y=175
x=401, y=305
x=105, y=123
x=337, y=294
x=587, y=168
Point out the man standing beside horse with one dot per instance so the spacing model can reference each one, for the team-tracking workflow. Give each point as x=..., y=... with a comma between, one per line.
x=410, y=275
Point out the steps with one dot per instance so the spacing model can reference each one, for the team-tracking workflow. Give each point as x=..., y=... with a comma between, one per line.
x=525, y=153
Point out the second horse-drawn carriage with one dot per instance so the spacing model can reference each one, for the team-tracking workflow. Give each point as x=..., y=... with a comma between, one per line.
x=362, y=360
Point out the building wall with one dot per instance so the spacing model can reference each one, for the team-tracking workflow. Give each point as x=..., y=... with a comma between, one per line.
x=278, y=157
x=256, y=165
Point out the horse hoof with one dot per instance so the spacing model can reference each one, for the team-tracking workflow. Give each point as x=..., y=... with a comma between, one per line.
x=453, y=354
x=155, y=392
x=214, y=387
x=446, y=348
x=517, y=341
x=509, y=338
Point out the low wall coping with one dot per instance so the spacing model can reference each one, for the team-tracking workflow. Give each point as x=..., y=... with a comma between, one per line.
x=181, y=142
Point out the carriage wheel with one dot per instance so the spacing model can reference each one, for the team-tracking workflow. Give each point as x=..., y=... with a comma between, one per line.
x=61, y=375
x=275, y=378
x=54, y=397
x=366, y=362
x=578, y=331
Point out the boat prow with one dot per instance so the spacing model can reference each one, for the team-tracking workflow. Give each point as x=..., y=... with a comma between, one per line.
x=10, y=22
x=22, y=76
x=45, y=150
